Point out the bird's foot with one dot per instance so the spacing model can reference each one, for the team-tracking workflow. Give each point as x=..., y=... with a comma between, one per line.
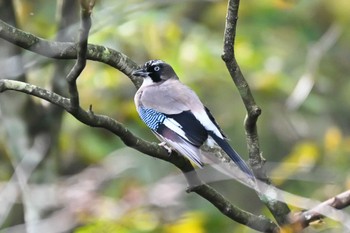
x=165, y=146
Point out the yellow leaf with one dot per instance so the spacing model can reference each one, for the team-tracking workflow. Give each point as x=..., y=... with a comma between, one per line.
x=332, y=139
x=191, y=222
x=303, y=156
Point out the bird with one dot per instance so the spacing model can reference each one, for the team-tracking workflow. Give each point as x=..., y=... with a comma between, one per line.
x=176, y=115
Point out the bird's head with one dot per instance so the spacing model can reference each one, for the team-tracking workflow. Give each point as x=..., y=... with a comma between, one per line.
x=157, y=70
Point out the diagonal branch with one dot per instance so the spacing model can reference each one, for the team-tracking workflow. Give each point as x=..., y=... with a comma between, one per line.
x=305, y=218
x=279, y=209
x=259, y=223
x=87, y=117
x=152, y=149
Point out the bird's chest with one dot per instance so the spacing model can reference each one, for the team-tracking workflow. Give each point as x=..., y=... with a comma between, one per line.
x=153, y=97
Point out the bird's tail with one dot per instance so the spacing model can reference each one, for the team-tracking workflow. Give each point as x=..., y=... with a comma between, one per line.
x=233, y=155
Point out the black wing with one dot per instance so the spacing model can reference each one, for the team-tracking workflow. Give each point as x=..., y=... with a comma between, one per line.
x=194, y=132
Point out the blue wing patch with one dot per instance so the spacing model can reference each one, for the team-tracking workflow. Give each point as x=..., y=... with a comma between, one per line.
x=193, y=131
x=152, y=118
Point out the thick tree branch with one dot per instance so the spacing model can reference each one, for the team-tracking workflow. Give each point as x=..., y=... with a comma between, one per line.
x=278, y=209
x=259, y=223
x=89, y=118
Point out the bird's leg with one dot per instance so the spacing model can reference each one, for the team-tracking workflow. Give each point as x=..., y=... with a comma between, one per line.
x=165, y=146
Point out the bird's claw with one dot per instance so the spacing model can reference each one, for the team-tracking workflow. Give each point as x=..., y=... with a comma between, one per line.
x=165, y=146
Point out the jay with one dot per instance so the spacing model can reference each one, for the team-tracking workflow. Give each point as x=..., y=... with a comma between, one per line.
x=176, y=115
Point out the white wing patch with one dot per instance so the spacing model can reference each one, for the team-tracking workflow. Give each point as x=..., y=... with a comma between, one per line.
x=175, y=126
x=204, y=119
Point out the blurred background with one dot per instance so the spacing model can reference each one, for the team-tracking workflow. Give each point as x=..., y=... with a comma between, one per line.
x=58, y=175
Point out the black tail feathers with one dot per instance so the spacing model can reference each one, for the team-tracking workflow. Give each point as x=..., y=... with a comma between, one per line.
x=232, y=154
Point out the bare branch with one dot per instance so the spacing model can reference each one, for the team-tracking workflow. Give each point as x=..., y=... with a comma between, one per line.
x=279, y=209
x=86, y=8
x=302, y=220
x=259, y=223
x=87, y=117
x=253, y=111
x=152, y=149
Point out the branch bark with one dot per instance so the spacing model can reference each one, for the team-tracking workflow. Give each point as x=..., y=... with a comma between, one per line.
x=86, y=9
x=89, y=118
x=259, y=223
x=303, y=219
x=279, y=210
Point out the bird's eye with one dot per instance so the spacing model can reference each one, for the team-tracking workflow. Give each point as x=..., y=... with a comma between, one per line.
x=156, y=68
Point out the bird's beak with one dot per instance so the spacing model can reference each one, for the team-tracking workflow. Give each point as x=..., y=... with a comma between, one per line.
x=140, y=73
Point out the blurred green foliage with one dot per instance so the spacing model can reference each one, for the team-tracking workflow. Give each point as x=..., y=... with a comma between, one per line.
x=307, y=148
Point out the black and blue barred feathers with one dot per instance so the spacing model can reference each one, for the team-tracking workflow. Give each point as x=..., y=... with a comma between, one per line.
x=152, y=118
